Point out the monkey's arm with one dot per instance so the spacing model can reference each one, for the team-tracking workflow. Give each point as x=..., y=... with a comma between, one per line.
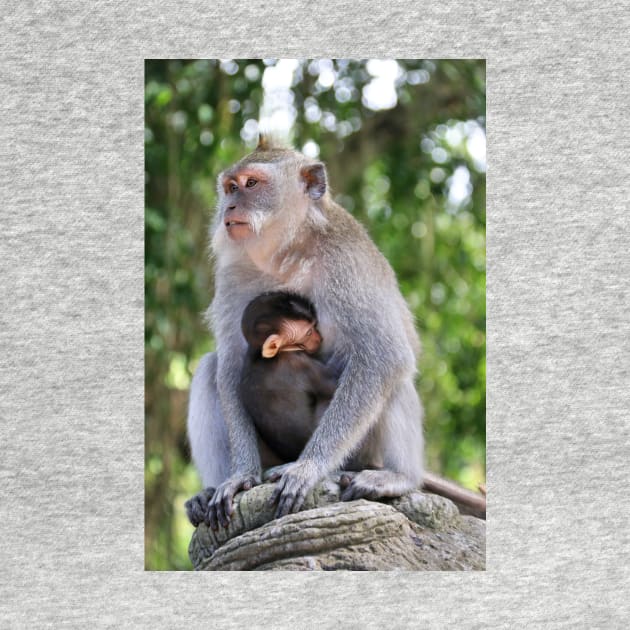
x=244, y=457
x=245, y=466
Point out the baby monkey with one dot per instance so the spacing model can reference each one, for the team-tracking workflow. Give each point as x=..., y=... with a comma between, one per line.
x=284, y=386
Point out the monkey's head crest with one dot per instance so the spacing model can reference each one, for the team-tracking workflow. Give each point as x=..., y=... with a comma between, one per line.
x=270, y=148
x=269, y=142
x=264, y=143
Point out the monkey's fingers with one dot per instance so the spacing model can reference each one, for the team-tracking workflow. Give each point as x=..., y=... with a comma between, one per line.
x=283, y=498
x=211, y=517
x=351, y=493
x=275, y=495
x=221, y=509
x=345, y=480
x=246, y=484
x=285, y=505
x=291, y=499
x=225, y=509
x=300, y=497
x=216, y=515
x=291, y=490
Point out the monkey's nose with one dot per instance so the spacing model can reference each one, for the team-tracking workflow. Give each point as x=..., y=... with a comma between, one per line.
x=232, y=207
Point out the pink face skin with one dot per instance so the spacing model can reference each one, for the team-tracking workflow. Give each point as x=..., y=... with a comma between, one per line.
x=239, y=189
x=301, y=335
x=294, y=336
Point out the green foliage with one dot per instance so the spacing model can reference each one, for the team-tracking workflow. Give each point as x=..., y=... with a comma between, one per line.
x=405, y=148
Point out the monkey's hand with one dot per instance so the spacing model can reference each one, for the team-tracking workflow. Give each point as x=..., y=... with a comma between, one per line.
x=296, y=480
x=197, y=506
x=220, y=508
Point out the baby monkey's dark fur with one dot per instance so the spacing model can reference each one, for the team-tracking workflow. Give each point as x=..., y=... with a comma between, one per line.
x=286, y=394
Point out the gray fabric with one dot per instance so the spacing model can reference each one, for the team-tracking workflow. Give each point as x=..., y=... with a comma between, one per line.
x=71, y=372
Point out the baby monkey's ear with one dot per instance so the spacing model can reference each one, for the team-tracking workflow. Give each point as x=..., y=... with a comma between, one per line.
x=272, y=346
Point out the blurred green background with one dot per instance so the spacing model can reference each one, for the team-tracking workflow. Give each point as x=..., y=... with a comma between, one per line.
x=404, y=142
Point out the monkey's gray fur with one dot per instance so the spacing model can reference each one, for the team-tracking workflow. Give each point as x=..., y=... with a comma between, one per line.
x=302, y=241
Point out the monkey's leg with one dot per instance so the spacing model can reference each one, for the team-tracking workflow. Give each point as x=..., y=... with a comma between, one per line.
x=398, y=438
x=197, y=506
x=208, y=436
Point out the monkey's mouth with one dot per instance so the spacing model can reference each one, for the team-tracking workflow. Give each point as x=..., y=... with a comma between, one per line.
x=238, y=230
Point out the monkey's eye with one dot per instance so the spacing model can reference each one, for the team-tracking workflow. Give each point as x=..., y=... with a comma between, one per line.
x=251, y=182
x=233, y=187
x=309, y=332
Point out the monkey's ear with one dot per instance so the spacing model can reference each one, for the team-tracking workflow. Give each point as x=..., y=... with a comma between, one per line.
x=272, y=346
x=314, y=177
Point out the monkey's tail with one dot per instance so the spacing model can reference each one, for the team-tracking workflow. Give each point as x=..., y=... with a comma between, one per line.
x=468, y=502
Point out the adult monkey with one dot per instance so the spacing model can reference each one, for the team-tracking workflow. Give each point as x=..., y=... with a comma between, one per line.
x=277, y=228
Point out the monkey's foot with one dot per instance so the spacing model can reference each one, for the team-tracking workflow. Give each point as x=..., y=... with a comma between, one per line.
x=373, y=484
x=197, y=506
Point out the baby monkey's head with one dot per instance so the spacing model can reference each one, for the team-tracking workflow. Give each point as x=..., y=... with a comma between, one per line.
x=280, y=322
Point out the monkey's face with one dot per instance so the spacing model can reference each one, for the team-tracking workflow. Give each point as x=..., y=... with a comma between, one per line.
x=268, y=195
x=248, y=197
x=294, y=335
